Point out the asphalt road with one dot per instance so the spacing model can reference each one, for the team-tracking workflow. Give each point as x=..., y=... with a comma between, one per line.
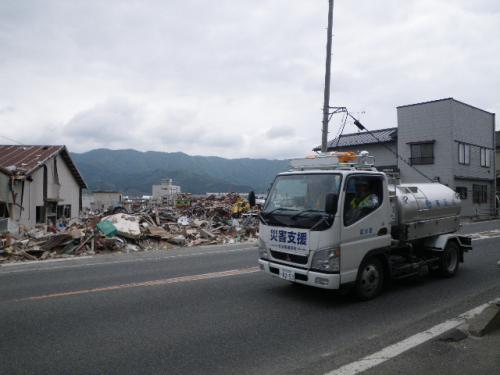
x=180, y=312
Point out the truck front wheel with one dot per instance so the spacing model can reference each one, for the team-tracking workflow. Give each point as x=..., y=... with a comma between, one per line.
x=370, y=279
x=450, y=259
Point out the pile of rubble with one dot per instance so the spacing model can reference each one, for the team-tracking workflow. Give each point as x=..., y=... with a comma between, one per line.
x=204, y=221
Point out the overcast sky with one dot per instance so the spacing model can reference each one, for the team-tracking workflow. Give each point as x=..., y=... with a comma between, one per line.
x=234, y=78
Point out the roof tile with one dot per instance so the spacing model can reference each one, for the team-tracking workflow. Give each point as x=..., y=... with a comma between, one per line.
x=24, y=159
x=362, y=138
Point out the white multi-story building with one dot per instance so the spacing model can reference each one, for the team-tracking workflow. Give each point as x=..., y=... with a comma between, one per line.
x=165, y=193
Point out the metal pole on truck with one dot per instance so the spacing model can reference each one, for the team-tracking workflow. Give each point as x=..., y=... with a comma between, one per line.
x=326, y=104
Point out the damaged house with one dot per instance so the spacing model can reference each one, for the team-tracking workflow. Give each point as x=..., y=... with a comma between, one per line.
x=38, y=185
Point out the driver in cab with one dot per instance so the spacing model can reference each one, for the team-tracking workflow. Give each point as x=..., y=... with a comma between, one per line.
x=364, y=200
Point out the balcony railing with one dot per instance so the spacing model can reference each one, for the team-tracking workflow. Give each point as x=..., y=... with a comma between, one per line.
x=53, y=191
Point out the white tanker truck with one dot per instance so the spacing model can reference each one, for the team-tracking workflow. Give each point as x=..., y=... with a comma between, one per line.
x=334, y=221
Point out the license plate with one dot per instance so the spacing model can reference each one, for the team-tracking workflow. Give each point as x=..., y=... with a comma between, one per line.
x=287, y=275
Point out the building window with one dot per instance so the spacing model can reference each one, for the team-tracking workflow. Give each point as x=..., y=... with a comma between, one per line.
x=51, y=213
x=422, y=153
x=60, y=213
x=4, y=210
x=480, y=194
x=64, y=211
x=485, y=157
x=463, y=153
x=67, y=211
x=462, y=192
x=40, y=214
x=52, y=209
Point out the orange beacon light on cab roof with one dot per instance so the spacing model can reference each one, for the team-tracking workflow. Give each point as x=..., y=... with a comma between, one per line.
x=346, y=157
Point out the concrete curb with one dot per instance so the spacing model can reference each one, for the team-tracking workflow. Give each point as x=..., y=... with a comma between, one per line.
x=485, y=322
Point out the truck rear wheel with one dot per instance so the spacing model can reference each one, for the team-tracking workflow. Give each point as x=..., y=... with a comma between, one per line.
x=370, y=279
x=450, y=260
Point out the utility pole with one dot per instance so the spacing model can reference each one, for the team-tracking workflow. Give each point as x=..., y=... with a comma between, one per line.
x=326, y=104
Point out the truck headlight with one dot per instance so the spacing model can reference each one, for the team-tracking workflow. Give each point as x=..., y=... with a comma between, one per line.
x=326, y=260
x=263, y=253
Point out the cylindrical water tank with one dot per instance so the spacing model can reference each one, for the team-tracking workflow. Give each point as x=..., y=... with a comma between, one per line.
x=420, y=201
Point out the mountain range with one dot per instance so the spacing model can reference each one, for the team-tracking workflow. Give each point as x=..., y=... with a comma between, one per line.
x=134, y=172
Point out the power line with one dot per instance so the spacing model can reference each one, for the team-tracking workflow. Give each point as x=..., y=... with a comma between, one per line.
x=341, y=130
x=12, y=140
x=361, y=127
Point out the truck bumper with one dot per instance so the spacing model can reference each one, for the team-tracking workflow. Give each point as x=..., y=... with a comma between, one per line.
x=300, y=276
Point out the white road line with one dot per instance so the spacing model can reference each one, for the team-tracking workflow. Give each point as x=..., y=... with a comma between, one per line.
x=396, y=349
x=104, y=263
x=173, y=280
x=46, y=261
x=483, y=235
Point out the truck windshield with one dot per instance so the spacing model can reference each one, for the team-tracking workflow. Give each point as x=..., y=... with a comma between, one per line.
x=299, y=200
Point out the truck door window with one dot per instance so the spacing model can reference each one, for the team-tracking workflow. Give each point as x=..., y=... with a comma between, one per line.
x=363, y=195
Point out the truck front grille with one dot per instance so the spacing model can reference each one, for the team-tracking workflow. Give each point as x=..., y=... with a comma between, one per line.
x=289, y=257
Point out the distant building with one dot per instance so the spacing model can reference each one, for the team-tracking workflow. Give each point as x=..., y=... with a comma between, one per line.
x=447, y=140
x=497, y=160
x=87, y=200
x=165, y=193
x=106, y=200
x=38, y=185
x=134, y=203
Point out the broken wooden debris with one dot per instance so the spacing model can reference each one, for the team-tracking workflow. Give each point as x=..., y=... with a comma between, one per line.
x=205, y=221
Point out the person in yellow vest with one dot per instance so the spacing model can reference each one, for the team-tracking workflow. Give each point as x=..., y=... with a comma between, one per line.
x=363, y=201
x=364, y=198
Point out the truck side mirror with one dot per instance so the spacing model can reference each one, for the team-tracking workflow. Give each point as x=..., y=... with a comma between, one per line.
x=331, y=203
x=251, y=199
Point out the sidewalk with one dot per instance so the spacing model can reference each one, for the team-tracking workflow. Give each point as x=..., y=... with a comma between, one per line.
x=472, y=347
x=466, y=344
x=447, y=355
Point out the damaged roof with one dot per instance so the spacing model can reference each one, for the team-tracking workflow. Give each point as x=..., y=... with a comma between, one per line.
x=364, y=138
x=23, y=160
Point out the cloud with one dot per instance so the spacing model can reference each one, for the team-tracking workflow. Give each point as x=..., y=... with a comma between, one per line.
x=243, y=78
x=280, y=132
x=114, y=120
x=7, y=109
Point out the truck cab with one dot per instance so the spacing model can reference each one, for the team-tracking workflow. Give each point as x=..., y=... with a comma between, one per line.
x=328, y=223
